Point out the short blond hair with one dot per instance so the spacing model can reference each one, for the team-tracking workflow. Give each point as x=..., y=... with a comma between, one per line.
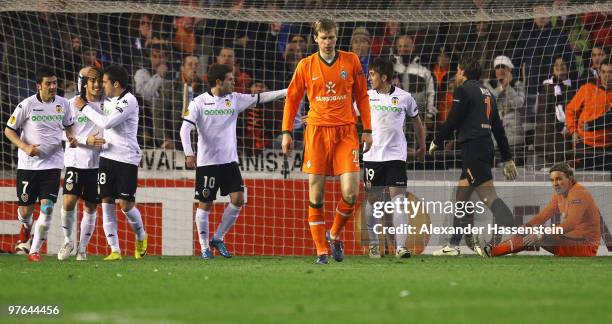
x=322, y=25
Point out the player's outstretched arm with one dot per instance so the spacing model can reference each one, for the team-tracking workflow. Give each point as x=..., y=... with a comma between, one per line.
x=105, y=122
x=272, y=95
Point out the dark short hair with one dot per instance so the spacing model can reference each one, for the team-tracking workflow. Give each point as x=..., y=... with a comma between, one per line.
x=383, y=66
x=44, y=71
x=562, y=167
x=471, y=67
x=218, y=72
x=117, y=73
x=606, y=61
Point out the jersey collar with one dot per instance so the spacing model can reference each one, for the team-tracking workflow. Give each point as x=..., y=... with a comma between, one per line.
x=39, y=98
x=332, y=62
x=391, y=90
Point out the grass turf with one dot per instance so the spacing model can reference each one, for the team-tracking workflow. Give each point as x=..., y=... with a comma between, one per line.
x=292, y=289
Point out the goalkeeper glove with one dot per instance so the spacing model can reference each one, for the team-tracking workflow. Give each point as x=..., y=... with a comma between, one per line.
x=510, y=171
x=432, y=148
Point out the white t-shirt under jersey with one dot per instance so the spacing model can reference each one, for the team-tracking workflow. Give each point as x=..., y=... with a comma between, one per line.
x=120, y=123
x=83, y=156
x=389, y=111
x=215, y=119
x=41, y=123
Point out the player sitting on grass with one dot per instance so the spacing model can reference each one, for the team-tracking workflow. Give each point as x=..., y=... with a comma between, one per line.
x=214, y=114
x=81, y=177
x=385, y=162
x=580, y=221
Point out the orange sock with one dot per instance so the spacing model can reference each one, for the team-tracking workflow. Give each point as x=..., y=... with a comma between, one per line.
x=317, y=228
x=344, y=211
x=513, y=245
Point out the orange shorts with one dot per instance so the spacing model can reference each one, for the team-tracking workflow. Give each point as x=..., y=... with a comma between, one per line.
x=331, y=150
x=567, y=247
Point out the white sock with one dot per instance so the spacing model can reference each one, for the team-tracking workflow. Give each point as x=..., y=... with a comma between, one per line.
x=88, y=225
x=27, y=220
x=201, y=221
x=370, y=222
x=43, y=223
x=230, y=214
x=68, y=224
x=399, y=218
x=109, y=223
x=135, y=220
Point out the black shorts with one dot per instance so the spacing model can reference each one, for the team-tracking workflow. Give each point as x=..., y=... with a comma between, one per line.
x=384, y=174
x=212, y=177
x=117, y=179
x=82, y=183
x=37, y=184
x=477, y=156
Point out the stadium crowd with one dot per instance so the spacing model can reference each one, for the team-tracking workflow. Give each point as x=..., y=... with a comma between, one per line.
x=551, y=75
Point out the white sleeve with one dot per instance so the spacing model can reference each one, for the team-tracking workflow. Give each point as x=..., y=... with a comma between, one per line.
x=411, y=107
x=19, y=115
x=431, y=94
x=272, y=95
x=245, y=101
x=68, y=116
x=185, y=132
x=122, y=112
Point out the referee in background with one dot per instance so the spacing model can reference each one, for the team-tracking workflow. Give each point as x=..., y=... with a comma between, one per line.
x=474, y=116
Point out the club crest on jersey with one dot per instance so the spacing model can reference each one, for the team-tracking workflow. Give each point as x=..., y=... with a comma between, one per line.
x=395, y=101
x=69, y=186
x=24, y=197
x=343, y=74
x=228, y=103
x=58, y=108
x=205, y=192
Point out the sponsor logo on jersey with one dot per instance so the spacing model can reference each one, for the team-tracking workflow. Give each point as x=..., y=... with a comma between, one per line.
x=38, y=109
x=228, y=103
x=384, y=108
x=330, y=87
x=213, y=112
x=395, y=101
x=58, y=109
x=82, y=120
x=343, y=74
x=41, y=118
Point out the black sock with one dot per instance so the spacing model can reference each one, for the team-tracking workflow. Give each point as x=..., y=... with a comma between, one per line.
x=460, y=222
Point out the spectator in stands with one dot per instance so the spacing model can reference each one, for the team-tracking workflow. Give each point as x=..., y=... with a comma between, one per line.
x=598, y=55
x=591, y=102
x=383, y=44
x=481, y=40
x=292, y=56
x=442, y=75
x=301, y=41
x=257, y=125
x=550, y=140
x=360, y=45
x=600, y=25
x=413, y=76
x=509, y=93
x=538, y=43
x=243, y=79
x=144, y=34
x=148, y=81
x=168, y=108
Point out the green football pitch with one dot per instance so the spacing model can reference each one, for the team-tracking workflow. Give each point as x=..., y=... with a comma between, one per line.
x=513, y=289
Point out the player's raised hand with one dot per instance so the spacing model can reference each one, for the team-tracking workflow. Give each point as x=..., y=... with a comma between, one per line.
x=31, y=150
x=366, y=141
x=287, y=144
x=190, y=162
x=95, y=140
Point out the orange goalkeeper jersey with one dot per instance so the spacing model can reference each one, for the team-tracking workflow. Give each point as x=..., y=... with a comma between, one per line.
x=331, y=90
x=580, y=218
